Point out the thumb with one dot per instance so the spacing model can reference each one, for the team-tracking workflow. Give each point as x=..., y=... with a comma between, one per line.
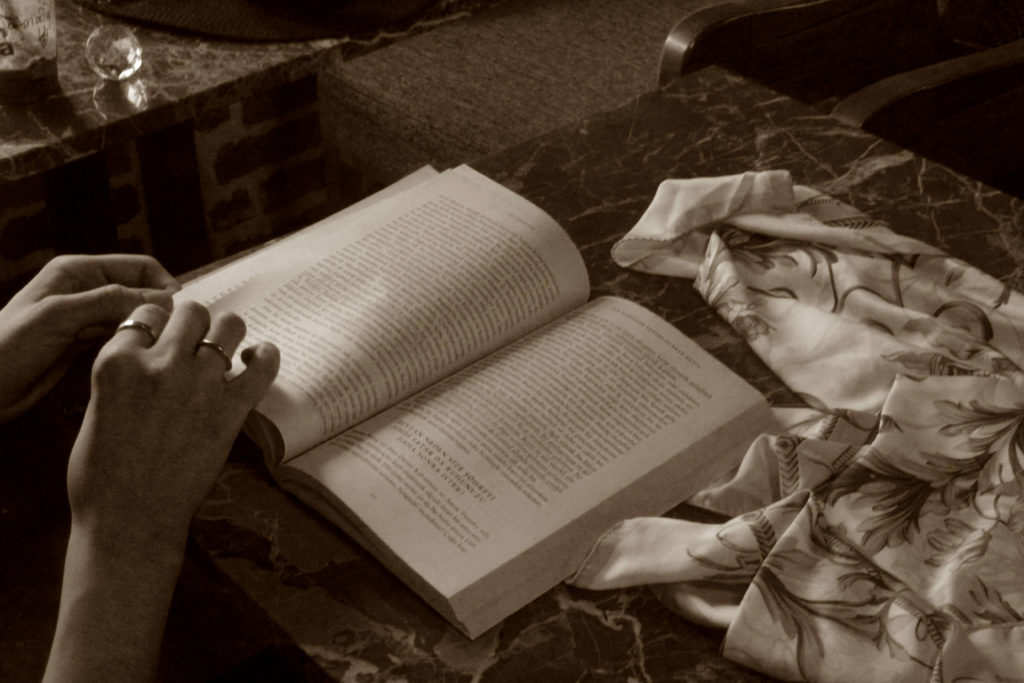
x=88, y=315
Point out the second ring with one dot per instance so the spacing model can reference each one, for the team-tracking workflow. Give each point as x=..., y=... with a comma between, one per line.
x=209, y=343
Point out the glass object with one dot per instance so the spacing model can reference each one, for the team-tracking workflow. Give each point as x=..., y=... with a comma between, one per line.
x=120, y=98
x=113, y=52
x=28, y=50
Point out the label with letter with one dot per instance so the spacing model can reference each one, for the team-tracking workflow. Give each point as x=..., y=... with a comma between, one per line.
x=28, y=49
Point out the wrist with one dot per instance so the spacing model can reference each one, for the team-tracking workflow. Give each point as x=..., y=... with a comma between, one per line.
x=116, y=593
x=136, y=545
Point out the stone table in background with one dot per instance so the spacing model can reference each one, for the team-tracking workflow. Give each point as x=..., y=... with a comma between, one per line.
x=212, y=145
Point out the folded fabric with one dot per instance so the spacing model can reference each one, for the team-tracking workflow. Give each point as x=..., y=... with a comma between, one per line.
x=880, y=539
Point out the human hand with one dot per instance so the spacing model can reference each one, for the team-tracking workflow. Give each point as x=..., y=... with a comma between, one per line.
x=72, y=303
x=160, y=422
x=161, y=419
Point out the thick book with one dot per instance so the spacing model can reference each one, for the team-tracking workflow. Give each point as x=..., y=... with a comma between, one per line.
x=451, y=398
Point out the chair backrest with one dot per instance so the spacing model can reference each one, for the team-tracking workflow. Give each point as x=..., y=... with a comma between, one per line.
x=982, y=24
x=964, y=113
x=816, y=51
x=944, y=78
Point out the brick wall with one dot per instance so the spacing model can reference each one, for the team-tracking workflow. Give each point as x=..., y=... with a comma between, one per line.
x=27, y=237
x=261, y=167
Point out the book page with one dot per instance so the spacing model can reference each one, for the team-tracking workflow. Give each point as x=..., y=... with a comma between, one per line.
x=247, y=279
x=397, y=296
x=472, y=471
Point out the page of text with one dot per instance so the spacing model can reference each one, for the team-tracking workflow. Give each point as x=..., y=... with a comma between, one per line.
x=473, y=470
x=399, y=295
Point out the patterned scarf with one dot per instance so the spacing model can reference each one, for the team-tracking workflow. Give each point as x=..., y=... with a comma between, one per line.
x=882, y=537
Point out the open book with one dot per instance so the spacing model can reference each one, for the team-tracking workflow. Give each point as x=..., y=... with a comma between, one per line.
x=450, y=398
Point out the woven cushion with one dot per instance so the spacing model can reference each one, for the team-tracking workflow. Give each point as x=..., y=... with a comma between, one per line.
x=507, y=74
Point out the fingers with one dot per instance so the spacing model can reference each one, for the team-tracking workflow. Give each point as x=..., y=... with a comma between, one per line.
x=179, y=334
x=132, y=270
x=219, y=343
x=262, y=362
x=190, y=323
x=86, y=313
x=191, y=331
x=187, y=325
x=138, y=271
x=141, y=329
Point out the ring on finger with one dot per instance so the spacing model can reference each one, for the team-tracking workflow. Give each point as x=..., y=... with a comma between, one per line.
x=209, y=343
x=131, y=324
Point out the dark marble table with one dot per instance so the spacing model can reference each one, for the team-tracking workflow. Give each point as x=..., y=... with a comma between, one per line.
x=181, y=76
x=269, y=584
x=214, y=145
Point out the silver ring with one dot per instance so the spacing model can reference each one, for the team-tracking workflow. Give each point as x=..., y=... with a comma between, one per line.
x=209, y=343
x=130, y=324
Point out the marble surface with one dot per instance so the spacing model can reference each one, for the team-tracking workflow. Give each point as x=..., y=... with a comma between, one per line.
x=595, y=178
x=292, y=578
x=181, y=76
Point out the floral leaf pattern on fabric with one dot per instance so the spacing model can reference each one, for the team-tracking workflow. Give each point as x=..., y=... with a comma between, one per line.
x=989, y=429
x=885, y=549
x=990, y=606
x=898, y=500
x=848, y=599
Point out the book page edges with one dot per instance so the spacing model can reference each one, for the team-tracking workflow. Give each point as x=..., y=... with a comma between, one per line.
x=554, y=559
x=315, y=495
x=504, y=590
x=267, y=437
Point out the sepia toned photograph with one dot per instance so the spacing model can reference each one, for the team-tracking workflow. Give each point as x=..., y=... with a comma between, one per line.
x=511, y=341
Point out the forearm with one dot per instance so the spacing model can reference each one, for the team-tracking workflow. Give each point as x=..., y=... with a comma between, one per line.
x=114, y=602
x=161, y=419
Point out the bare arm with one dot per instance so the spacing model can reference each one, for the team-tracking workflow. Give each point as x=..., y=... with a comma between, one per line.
x=161, y=419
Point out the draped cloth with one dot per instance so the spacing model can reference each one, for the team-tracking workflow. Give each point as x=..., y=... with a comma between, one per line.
x=881, y=538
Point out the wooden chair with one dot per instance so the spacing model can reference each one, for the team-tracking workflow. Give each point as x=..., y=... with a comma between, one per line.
x=964, y=113
x=907, y=70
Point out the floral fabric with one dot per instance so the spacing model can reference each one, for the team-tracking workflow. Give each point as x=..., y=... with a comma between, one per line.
x=882, y=537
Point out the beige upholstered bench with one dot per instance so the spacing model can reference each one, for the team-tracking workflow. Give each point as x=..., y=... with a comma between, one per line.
x=504, y=75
